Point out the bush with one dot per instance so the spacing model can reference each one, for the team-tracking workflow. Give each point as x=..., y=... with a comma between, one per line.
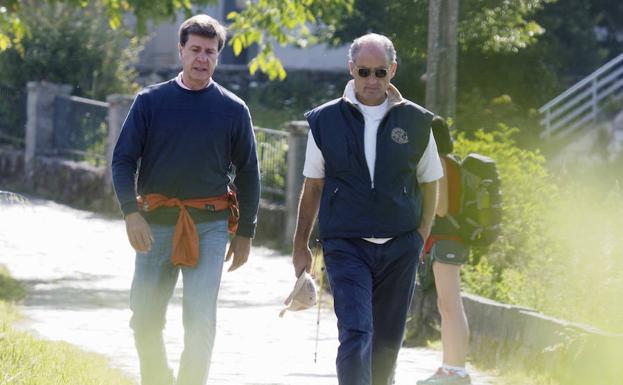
x=561, y=249
x=10, y=289
x=582, y=279
x=526, y=192
x=69, y=45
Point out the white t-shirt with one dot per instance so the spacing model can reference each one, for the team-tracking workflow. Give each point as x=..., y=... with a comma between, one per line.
x=180, y=82
x=429, y=167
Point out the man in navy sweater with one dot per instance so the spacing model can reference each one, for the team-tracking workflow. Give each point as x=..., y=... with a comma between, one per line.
x=185, y=138
x=371, y=172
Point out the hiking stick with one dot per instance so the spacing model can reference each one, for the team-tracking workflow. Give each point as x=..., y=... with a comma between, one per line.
x=318, y=260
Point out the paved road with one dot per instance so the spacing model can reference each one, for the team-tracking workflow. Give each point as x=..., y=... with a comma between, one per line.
x=78, y=268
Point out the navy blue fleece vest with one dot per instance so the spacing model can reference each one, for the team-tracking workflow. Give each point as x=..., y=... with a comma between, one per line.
x=351, y=205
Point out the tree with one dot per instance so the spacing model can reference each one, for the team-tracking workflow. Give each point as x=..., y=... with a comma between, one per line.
x=262, y=22
x=64, y=44
x=485, y=25
x=441, y=57
x=513, y=56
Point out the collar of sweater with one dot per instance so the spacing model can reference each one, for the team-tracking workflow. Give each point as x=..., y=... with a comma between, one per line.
x=393, y=95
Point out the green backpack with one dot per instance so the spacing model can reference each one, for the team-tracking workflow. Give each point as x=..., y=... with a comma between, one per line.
x=479, y=217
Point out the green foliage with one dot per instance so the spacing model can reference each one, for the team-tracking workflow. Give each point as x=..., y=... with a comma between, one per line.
x=26, y=360
x=273, y=103
x=526, y=50
x=499, y=26
x=143, y=11
x=526, y=192
x=561, y=251
x=263, y=22
x=266, y=22
x=10, y=289
x=66, y=45
x=568, y=50
x=583, y=277
x=483, y=25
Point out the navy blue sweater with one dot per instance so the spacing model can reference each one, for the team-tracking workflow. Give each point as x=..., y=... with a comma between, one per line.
x=184, y=144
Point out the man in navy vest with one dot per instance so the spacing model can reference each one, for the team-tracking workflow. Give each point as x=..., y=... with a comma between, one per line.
x=371, y=172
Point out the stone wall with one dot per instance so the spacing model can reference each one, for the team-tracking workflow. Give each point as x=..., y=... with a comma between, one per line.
x=568, y=352
x=84, y=186
x=11, y=168
x=74, y=183
x=80, y=185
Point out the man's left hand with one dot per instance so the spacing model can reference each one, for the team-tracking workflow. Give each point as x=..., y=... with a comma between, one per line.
x=240, y=247
x=424, y=233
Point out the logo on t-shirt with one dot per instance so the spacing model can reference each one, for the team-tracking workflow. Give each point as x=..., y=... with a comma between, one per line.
x=400, y=136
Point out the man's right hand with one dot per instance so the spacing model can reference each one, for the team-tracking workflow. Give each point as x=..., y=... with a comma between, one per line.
x=139, y=232
x=302, y=261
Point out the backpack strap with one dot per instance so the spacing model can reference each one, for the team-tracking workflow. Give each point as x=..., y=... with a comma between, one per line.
x=453, y=176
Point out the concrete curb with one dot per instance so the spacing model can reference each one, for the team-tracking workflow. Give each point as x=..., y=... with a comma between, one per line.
x=571, y=353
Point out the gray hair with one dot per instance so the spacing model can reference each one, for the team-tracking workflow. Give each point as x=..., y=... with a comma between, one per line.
x=381, y=40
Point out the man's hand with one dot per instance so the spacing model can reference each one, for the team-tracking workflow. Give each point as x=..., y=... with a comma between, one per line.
x=302, y=261
x=240, y=247
x=424, y=232
x=139, y=232
x=308, y=209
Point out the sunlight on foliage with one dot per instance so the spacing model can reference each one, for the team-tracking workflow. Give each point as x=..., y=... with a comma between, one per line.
x=285, y=22
x=561, y=251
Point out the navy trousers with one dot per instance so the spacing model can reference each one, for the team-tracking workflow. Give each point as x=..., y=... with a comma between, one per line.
x=372, y=287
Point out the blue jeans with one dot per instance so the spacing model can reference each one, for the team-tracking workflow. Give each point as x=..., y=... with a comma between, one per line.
x=372, y=288
x=154, y=281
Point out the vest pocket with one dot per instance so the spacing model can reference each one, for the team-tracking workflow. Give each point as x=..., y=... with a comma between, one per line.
x=339, y=156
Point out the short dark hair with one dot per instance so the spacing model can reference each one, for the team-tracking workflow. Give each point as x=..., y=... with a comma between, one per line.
x=203, y=25
x=441, y=133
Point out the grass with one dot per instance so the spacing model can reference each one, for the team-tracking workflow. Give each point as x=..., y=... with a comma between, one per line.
x=506, y=372
x=514, y=376
x=26, y=360
x=10, y=289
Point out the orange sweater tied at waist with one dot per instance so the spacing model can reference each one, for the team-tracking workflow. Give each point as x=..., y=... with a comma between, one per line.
x=186, y=240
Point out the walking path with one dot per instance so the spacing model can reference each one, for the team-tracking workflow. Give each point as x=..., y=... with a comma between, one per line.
x=78, y=269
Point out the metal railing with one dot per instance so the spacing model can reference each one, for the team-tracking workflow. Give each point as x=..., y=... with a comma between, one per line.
x=581, y=104
x=272, y=151
x=80, y=133
x=80, y=129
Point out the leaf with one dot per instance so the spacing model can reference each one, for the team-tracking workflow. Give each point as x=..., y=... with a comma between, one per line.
x=237, y=46
x=5, y=42
x=253, y=66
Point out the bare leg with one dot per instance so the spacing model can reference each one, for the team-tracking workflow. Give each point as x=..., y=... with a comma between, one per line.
x=454, y=327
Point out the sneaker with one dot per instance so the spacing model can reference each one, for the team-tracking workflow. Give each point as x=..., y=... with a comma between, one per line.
x=446, y=377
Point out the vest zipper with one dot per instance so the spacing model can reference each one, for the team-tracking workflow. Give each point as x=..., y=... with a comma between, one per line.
x=391, y=107
x=333, y=196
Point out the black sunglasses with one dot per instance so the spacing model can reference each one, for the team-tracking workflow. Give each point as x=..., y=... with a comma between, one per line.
x=378, y=72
